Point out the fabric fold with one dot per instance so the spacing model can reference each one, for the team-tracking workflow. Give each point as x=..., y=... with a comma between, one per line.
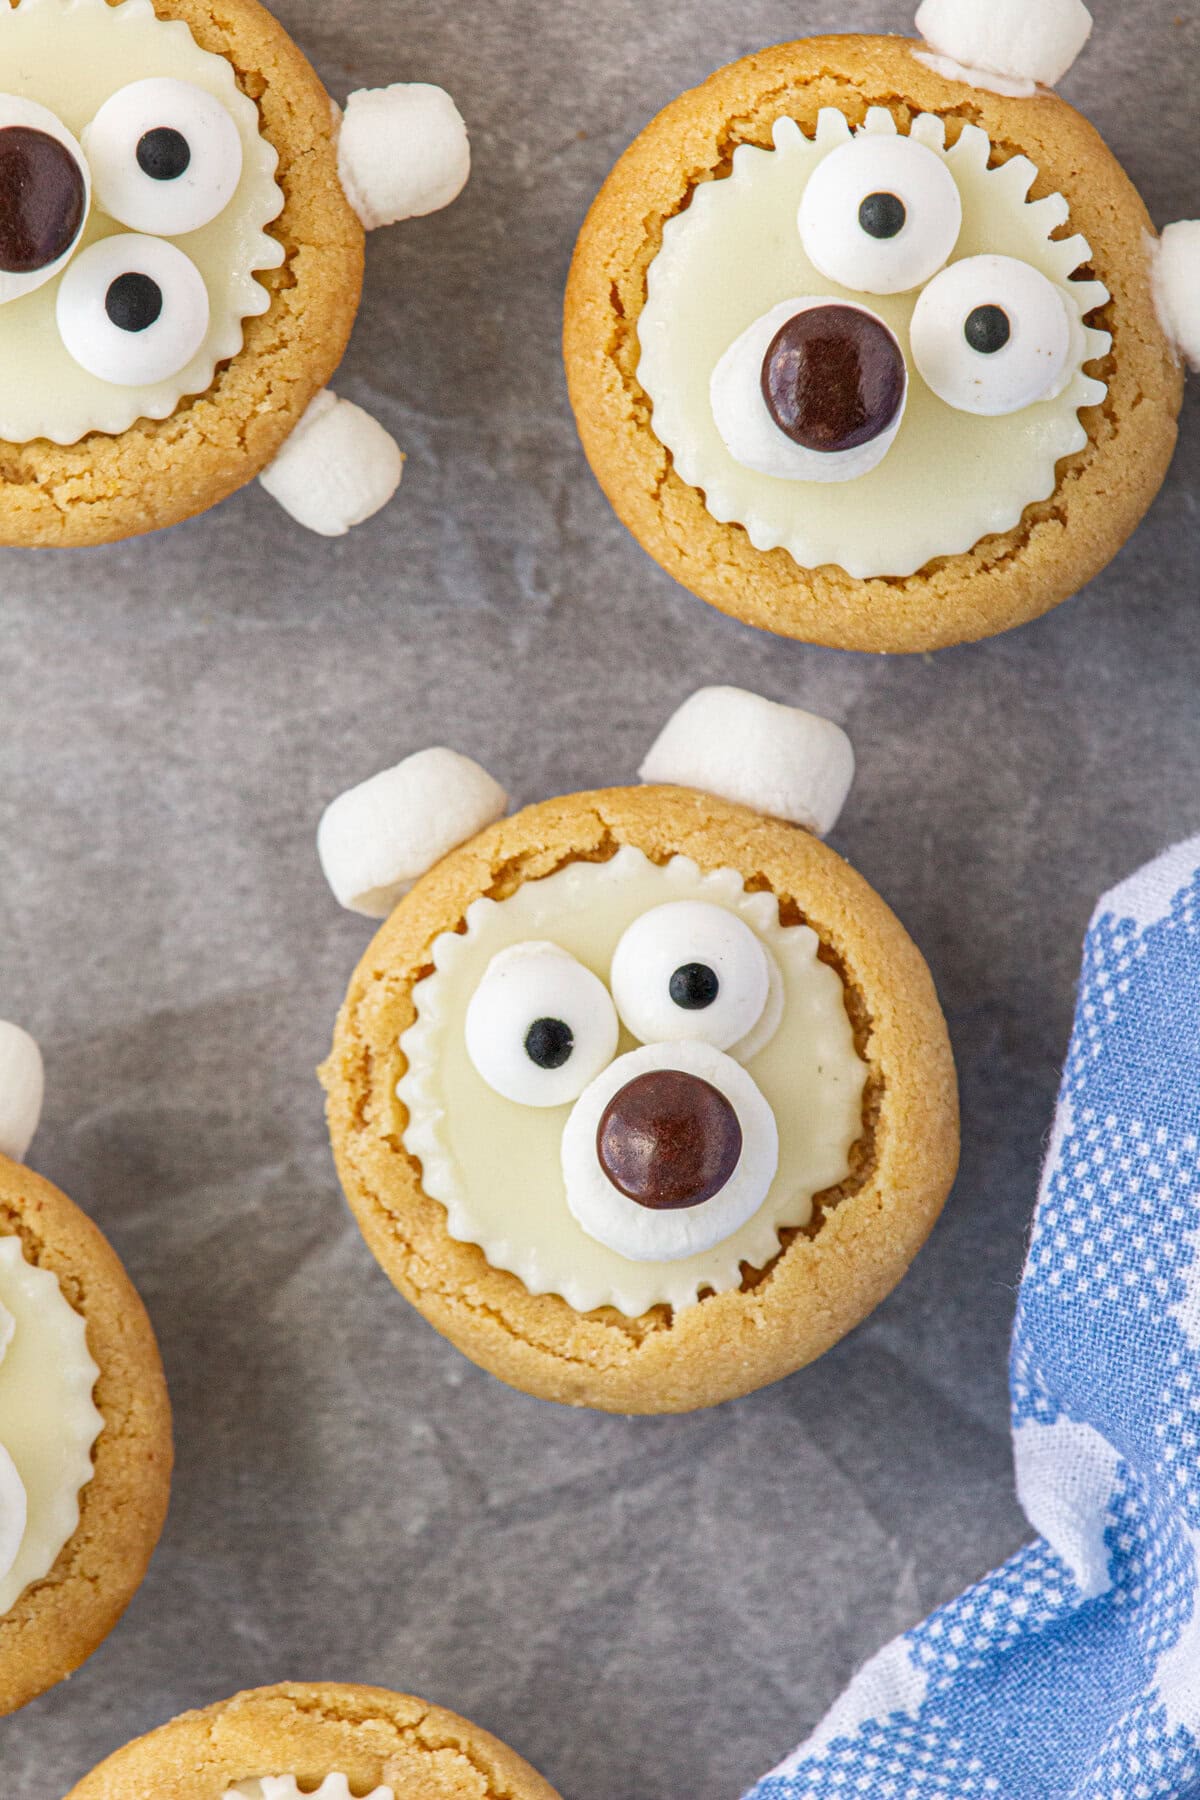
x=1072, y=1672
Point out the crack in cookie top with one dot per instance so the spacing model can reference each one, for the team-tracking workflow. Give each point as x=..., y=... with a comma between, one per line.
x=719, y=1091
x=49, y=1422
x=135, y=193
x=870, y=367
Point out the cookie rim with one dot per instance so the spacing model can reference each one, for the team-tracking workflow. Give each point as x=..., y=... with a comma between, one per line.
x=122, y=1510
x=161, y=472
x=785, y=1316
x=1006, y=580
x=198, y=1745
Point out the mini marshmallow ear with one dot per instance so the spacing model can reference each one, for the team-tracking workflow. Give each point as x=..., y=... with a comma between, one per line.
x=776, y=759
x=22, y=1087
x=337, y=470
x=403, y=152
x=1177, y=288
x=376, y=840
x=1021, y=40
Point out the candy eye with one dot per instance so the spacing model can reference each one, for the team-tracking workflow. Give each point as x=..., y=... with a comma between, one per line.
x=881, y=214
x=133, y=310
x=992, y=335
x=540, y=1026
x=813, y=391
x=690, y=970
x=668, y=1152
x=166, y=157
x=44, y=196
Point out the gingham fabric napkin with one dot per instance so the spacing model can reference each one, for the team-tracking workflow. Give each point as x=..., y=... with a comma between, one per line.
x=1073, y=1672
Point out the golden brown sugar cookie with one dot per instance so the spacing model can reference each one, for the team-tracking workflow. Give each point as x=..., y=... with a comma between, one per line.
x=321, y=1740
x=169, y=334
x=867, y=353
x=643, y=1098
x=85, y=1424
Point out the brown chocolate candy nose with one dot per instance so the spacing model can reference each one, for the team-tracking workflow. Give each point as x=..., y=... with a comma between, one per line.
x=833, y=378
x=42, y=199
x=669, y=1140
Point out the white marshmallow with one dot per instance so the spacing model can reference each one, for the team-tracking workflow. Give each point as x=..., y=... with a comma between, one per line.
x=403, y=152
x=377, y=839
x=1026, y=40
x=22, y=1089
x=634, y=1231
x=16, y=111
x=14, y=1512
x=744, y=421
x=337, y=470
x=986, y=80
x=776, y=759
x=1177, y=287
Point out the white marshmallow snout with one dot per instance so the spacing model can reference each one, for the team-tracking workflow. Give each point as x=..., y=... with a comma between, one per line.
x=643, y=1231
x=379, y=838
x=1020, y=40
x=403, y=152
x=22, y=1088
x=778, y=760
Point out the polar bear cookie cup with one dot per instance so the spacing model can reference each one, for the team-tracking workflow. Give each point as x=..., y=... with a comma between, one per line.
x=872, y=342
x=182, y=220
x=315, y=1741
x=85, y=1427
x=643, y=1097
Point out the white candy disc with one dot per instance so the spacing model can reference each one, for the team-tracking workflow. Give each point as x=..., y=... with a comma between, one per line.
x=403, y=152
x=638, y=1232
x=378, y=838
x=166, y=157
x=992, y=336
x=1027, y=40
x=750, y=433
x=1177, y=286
x=133, y=310
x=47, y=169
x=337, y=470
x=881, y=214
x=690, y=970
x=540, y=1026
x=14, y=1512
x=776, y=759
x=22, y=1087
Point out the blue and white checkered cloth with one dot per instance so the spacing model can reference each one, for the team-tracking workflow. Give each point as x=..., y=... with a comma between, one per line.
x=1073, y=1672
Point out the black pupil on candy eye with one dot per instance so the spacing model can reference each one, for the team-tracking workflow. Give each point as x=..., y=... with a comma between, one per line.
x=133, y=302
x=694, y=986
x=988, y=329
x=549, y=1043
x=882, y=215
x=164, y=154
